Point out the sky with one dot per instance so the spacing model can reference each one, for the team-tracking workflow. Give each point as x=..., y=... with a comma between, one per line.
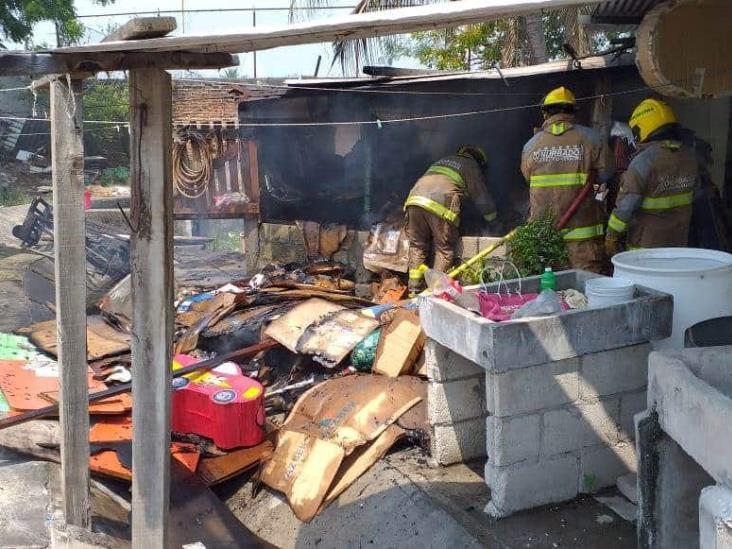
x=292, y=61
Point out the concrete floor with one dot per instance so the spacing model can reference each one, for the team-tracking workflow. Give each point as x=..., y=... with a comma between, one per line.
x=401, y=502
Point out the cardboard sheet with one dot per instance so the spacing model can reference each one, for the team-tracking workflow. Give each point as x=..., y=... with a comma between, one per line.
x=331, y=338
x=101, y=338
x=289, y=328
x=399, y=345
x=303, y=468
x=333, y=420
x=361, y=461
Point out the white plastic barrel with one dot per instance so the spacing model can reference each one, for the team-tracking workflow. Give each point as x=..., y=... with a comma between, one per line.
x=700, y=281
x=605, y=291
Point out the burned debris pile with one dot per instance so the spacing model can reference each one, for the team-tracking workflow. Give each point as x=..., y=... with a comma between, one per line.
x=286, y=375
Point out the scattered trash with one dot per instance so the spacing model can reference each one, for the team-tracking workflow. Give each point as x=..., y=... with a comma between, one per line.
x=228, y=409
x=546, y=303
x=573, y=298
x=339, y=421
x=214, y=470
x=328, y=423
x=333, y=336
x=364, y=353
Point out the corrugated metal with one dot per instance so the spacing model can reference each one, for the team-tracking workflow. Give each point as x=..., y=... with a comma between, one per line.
x=10, y=131
x=624, y=8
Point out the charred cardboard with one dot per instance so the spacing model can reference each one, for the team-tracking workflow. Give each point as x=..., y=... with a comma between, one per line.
x=289, y=328
x=326, y=425
x=331, y=338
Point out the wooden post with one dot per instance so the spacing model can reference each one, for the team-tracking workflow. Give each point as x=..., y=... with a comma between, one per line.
x=152, y=299
x=69, y=233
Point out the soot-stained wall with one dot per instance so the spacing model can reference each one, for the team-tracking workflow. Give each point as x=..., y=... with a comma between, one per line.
x=358, y=174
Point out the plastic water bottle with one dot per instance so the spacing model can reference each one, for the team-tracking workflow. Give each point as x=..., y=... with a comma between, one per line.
x=449, y=289
x=548, y=280
x=441, y=285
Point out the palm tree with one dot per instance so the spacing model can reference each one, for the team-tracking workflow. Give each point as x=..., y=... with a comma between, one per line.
x=524, y=42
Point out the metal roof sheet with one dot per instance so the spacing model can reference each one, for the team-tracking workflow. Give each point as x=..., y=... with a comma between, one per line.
x=624, y=8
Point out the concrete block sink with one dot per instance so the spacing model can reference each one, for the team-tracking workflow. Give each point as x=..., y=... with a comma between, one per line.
x=685, y=446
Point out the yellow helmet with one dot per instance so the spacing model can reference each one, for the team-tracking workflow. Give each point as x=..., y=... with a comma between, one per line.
x=649, y=116
x=478, y=153
x=559, y=96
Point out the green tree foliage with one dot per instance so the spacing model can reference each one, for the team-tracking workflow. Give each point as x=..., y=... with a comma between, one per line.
x=504, y=41
x=17, y=18
x=511, y=42
x=107, y=100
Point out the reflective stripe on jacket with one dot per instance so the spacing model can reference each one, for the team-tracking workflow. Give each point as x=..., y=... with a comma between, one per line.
x=441, y=189
x=656, y=194
x=556, y=164
x=433, y=207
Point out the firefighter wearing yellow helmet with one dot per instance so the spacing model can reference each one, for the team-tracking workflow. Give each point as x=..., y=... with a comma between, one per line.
x=654, y=203
x=433, y=208
x=556, y=164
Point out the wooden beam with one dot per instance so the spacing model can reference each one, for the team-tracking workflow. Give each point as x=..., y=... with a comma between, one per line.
x=69, y=233
x=88, y=63
x=368, y=25
x=152, y=299
x=143, y=27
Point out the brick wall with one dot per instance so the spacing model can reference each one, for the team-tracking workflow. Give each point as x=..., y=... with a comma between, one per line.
x=205, y=102
x=215, y=101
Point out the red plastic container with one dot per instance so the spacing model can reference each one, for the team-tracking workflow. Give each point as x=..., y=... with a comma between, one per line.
x=229, y=409
x=87, y=200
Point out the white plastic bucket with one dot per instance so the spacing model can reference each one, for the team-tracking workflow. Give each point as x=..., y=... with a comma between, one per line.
x=700, y=281
x=604, y=291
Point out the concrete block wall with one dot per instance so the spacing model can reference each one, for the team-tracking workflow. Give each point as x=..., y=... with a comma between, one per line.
x=562, y=428
x=549, y=431
x=456, y=406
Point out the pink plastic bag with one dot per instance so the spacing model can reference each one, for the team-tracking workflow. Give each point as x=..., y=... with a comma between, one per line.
x=502, y=306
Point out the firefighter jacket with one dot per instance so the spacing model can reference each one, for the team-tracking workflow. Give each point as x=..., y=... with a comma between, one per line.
x=656, y=193
x=441, y=190
x=556, y=164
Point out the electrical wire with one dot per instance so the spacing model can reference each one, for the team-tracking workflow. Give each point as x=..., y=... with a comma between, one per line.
x=379, y=122
x=30, y=118
x=192, y=164
x=23, y=88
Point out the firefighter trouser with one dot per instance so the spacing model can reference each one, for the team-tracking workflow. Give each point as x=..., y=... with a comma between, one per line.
x=588, y=255
x=425, y=230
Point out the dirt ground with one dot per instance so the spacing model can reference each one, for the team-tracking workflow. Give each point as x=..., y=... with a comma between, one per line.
x=402, y=502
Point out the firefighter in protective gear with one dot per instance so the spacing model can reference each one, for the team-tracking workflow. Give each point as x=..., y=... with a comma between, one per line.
x=654, y=203
x=556, y=164
x=433, y=209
